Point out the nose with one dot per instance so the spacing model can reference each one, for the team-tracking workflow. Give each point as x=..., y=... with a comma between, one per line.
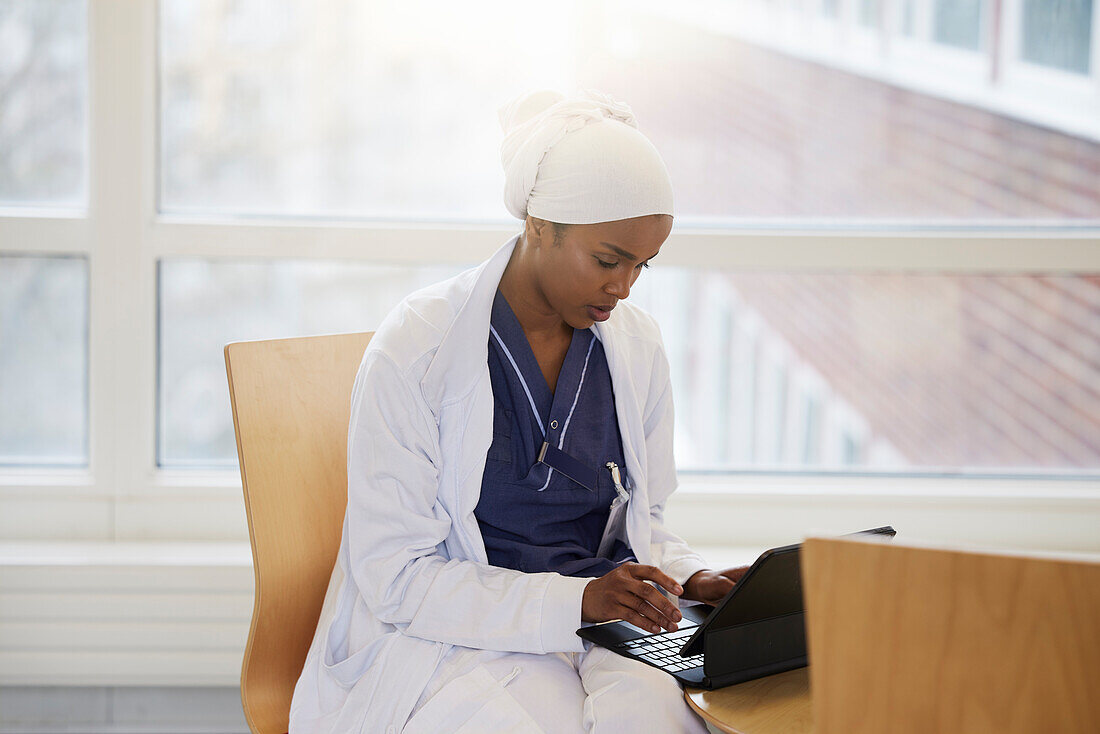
x=619, y=286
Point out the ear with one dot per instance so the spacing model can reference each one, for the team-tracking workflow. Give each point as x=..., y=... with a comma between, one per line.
x=537, y=231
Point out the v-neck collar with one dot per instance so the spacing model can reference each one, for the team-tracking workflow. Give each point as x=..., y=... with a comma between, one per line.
x=551, y=405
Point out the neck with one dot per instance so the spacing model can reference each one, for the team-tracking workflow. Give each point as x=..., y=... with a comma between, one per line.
x=521, y=289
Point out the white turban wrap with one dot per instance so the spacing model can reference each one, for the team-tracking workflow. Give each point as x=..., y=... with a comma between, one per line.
x=579, y=161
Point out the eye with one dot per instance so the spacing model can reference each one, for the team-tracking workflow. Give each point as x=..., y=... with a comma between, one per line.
x=605, y=264
x=643, y=265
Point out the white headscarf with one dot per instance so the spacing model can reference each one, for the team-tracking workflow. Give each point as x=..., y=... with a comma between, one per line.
x=579, y=160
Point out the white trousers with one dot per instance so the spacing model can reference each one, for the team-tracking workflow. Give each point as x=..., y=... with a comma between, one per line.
x=591, y=692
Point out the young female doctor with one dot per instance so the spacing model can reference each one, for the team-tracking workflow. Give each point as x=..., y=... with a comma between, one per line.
x=509, y=460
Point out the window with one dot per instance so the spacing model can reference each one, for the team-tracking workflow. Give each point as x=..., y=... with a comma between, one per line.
x=959, y=23
x=749, y=131
x=207, y=304
x=944, y=373
x=884, y=260
x=329, y=109
x=44, y=361
x=908, y=17
x=755, y=134
x=1057, y=33
x=43, y=102
x=43, y=267
x=870, y=13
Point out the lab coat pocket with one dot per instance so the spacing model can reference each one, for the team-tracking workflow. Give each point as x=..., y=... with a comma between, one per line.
x=342, y=665
x=615, y=528
x=473, y=703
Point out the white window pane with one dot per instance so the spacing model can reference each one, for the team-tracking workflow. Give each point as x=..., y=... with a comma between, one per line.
x=387, y=110
x=907, y=15
x=43, y=361
x=870, y=13
x=43, y=102
x=771, y=371
x=205, y=305
x=959, y=23
x=882, y=372
x=347, y=108
x=1058, y=33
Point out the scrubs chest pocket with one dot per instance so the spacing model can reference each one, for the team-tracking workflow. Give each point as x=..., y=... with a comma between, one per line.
x=552, y=470
x=568, y=466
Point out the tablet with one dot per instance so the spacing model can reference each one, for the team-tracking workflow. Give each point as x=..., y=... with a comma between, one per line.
x=772, y=587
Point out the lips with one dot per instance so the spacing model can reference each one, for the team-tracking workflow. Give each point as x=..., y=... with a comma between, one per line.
x=601, y=312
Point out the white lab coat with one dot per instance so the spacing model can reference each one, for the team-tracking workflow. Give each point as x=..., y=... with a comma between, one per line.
x=412, y=577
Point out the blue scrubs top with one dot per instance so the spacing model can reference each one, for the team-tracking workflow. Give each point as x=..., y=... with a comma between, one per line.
x=534, y=518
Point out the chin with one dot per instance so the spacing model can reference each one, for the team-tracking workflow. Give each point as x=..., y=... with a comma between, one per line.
x=579, y=321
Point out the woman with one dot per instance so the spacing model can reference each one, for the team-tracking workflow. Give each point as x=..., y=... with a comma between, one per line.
x=509, y=458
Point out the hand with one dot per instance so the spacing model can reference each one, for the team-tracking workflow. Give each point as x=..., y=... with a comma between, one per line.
x=710, y=587
x=624, y=594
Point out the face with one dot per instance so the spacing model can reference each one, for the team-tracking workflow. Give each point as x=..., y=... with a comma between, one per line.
x=591, y=267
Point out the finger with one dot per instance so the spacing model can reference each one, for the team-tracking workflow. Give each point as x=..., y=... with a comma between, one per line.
x=722, y=583
x=735, y=574
x=638, y=620
x=631, y=598
x=715, y=599
x=657, y=600
x=648, y=602
x=657, y=576
x=717, y=589
x=656, y=620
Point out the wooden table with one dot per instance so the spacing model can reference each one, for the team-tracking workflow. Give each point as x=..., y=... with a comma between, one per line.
x=778, y=704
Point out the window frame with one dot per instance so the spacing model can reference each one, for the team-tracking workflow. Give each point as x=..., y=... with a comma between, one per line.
x=124, y=237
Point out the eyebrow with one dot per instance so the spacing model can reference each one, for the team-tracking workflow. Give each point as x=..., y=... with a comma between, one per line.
x=620, y=251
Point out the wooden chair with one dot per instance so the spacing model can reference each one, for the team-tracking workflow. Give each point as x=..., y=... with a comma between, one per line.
x=291, y=402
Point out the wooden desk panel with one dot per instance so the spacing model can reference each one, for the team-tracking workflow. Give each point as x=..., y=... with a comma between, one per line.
x=916, y=640
x=778, y=704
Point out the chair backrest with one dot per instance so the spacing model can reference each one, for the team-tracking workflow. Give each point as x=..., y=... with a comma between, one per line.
x=917, y=639
x=291, y=401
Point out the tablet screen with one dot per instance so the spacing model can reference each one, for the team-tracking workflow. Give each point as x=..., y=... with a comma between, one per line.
x=774, y=590
x=772, y=587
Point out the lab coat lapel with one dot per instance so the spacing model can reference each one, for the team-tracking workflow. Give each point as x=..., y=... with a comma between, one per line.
x=457, y=384
x=628, y=410
x=462, y=356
